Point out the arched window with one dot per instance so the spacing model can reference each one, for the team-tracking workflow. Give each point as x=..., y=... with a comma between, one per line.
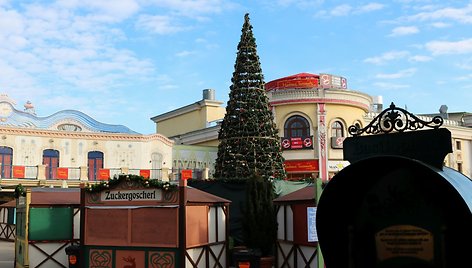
x=51, y=161
x=95, y=162
x=337, y=129
x=6, y=157
x=296, y=126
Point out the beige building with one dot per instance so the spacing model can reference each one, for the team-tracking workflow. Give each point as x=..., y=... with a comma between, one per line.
x=201, y=116
x=312, y=113
x=460, y=125
x=69, y=148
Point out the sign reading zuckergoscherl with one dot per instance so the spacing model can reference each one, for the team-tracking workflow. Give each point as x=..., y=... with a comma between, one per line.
x=132, y=195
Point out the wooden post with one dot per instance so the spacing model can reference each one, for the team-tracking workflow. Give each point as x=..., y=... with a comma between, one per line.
x=182, y=221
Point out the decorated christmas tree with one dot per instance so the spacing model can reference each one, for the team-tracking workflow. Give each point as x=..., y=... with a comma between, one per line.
x=249, y=142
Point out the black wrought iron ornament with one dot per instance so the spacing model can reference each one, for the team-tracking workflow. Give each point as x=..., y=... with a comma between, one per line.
x=394, y=119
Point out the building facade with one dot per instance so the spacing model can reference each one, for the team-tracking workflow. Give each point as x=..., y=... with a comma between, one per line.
x=312, y=113
x=69, y=148
x=193, y=124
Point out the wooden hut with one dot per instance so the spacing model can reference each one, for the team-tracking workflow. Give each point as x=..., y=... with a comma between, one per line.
x=296, y=243
x=135, y=224
x=7, y=221
x=47, y=221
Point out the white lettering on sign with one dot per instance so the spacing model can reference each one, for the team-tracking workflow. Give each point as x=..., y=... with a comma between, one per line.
x=132, y=195
x=311, y=217
x=21, y=200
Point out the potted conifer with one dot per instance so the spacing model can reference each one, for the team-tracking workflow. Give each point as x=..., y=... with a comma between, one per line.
x=260, y=220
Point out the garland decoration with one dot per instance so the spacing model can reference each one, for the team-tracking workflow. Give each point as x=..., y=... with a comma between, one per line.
x=134, y=179
x=20, y=191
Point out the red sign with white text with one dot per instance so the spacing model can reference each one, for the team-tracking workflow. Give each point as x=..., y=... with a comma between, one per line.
x=62, y=173
x=146, y=173
x=295, y=143
x=301, y=165
x=103, y=174
x=302, y=80
x=19, y=172
x=186, y=174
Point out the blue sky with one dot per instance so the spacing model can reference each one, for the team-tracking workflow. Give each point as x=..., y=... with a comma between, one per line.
x=125, y=61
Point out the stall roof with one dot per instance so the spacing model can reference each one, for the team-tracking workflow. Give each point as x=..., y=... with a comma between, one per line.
x=55, y=196
x=9, y=204
x=198, y=196
x=304, y=194
x=71, y=196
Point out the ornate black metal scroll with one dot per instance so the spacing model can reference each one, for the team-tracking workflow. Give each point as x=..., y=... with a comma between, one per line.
x=395, y=119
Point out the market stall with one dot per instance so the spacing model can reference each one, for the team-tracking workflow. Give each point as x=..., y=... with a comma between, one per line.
x=7, y=220
x=47, y=221
x=296, y=243
x=133, y=222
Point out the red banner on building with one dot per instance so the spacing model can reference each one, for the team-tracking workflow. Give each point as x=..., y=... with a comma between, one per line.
x=19, y=172
x=62, y=173
x=146, y=173
x=103, y=174
x=302, y=80
x=294, y=143
x=301, y=165
x=186, y=174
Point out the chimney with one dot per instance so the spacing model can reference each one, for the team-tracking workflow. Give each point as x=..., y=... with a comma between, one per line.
x=377, y=104
x=443, y=111
x=209, y=94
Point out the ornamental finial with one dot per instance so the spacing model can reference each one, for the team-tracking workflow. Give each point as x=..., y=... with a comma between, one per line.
x=395, y=119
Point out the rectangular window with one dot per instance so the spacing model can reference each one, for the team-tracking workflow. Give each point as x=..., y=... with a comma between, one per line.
x=50, y=223
x=11, y=216
x=459, y=167
x=6, y=166
x=91, y=170
x=458, y=145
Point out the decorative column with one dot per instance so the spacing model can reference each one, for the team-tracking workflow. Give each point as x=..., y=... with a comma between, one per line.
x=83, y=173
x=205, y=173
x=322, y=144
x=41, y=172
x=124, y=170
x=165, y=174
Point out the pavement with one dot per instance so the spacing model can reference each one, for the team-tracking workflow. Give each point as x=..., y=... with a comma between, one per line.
x=7, y=254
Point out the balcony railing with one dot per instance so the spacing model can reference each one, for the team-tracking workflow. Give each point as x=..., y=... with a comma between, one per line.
x=42, y=172
x=196, y=174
